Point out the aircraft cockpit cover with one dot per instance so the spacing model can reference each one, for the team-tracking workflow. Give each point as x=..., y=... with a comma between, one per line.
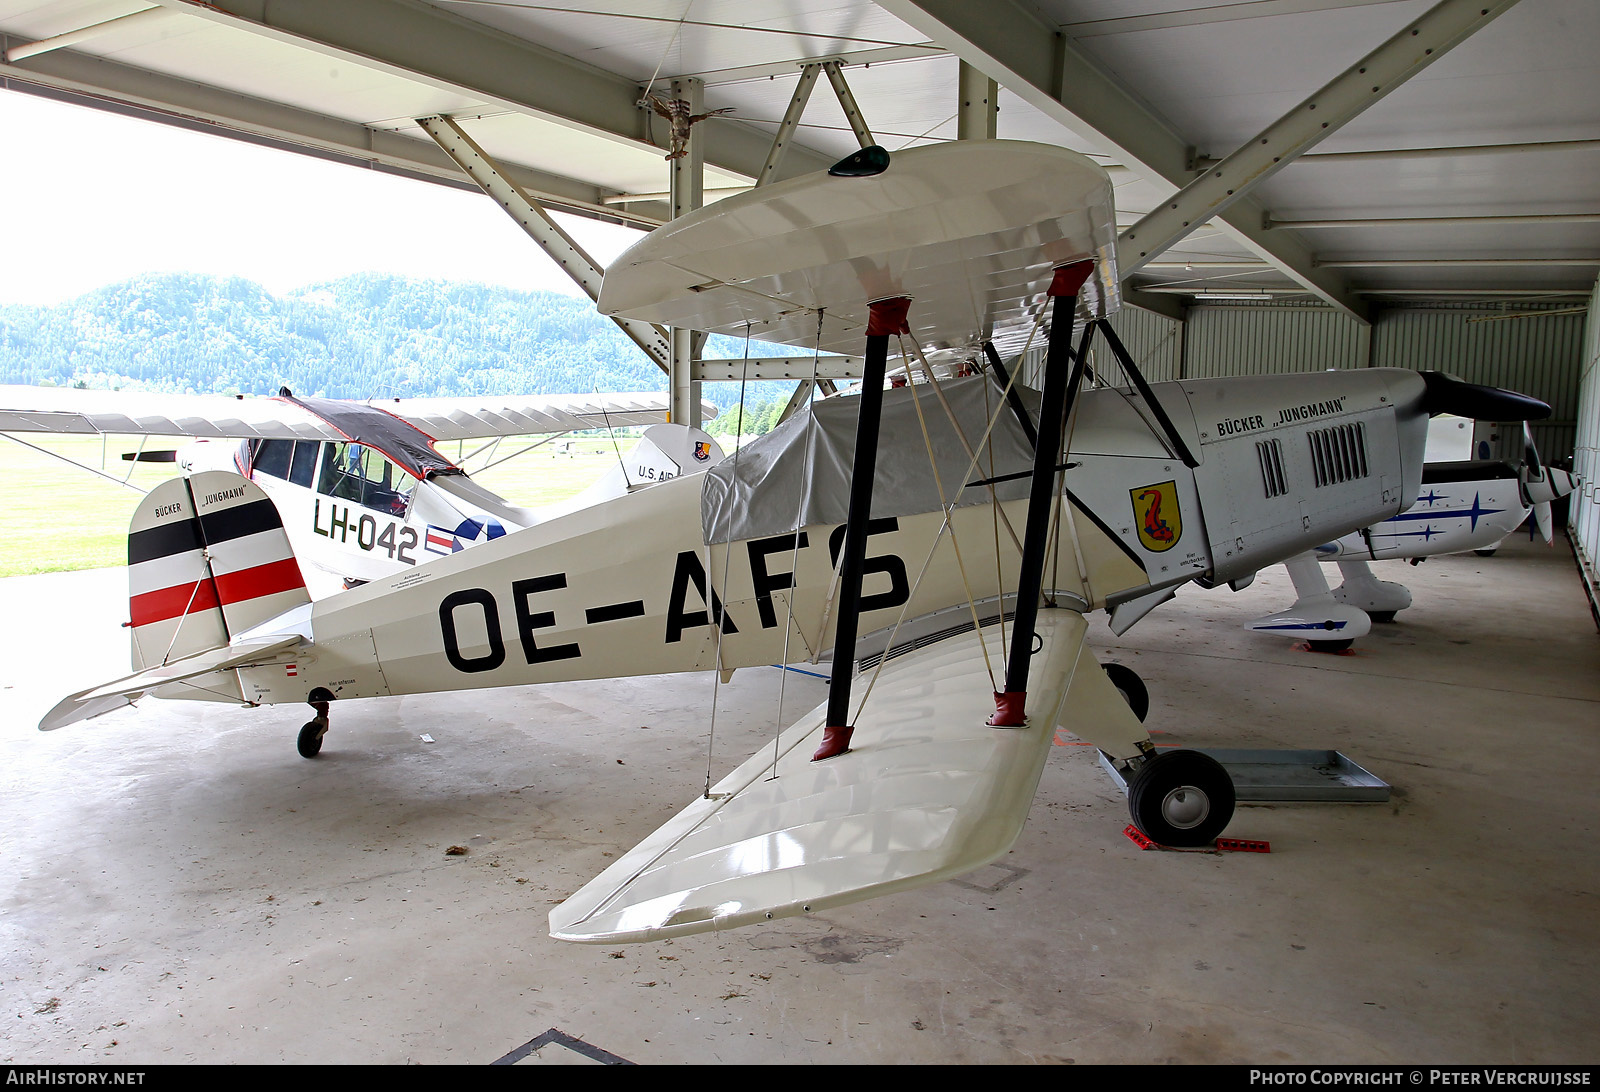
x=800, y=476
x=404, y=444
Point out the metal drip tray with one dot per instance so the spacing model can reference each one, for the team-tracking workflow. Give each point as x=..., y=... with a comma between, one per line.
x=1260, y=776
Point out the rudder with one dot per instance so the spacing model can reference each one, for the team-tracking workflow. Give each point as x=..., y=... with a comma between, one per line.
x=208, y=559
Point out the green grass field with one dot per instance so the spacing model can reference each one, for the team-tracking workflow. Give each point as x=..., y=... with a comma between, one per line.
x=60, y=517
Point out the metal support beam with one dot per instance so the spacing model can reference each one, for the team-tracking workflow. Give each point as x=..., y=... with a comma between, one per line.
x=1453, y=263
x=68, y=76
x=847, y=102
x=544, y=231
x=437, y=48
x=798, y=400
x=1031, y=58
x=788, y=368
x=687, y=186
x=1272, y=222
x=1454, y=151
x=978, y=105
x=1394, y=62
x=791, y=119
x=84, y=34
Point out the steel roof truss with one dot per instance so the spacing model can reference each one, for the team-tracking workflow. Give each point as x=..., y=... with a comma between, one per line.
x=1393, y=63
x=537, y=223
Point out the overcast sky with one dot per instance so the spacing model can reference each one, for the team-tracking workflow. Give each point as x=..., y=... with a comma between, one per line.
x=91, y=198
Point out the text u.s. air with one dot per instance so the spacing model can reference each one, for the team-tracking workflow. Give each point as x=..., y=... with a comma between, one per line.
x=945, y=527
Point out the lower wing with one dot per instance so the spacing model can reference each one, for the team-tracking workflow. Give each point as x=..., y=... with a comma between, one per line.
x=929, y=791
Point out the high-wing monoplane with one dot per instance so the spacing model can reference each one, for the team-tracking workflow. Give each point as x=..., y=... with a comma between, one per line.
x=948, y=535
x=362, y=487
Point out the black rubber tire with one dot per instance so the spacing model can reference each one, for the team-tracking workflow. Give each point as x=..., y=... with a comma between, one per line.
x=1382, y=616
x=1485, y=553
x=310, y=741
x=1181, y=798
x=1331, y=646
x=1131, y=687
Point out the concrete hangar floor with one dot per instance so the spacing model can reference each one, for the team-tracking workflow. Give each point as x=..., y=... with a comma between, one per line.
x=179, y=886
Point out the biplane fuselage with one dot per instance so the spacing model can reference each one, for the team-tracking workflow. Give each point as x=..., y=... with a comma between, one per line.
x=630, y=586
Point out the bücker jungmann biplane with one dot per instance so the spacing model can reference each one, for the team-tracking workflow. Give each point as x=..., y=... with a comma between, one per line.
x=955, y=531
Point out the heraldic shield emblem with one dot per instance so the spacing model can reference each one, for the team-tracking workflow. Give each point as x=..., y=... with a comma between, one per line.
x=1155, y=510
x=702, y=451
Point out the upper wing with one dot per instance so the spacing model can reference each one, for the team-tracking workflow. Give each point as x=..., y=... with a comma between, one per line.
x=523, y=415
x=970, y=230
x=927, y=792
x=142, y=413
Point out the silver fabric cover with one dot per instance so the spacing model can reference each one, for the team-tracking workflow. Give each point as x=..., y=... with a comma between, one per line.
x=798, y=475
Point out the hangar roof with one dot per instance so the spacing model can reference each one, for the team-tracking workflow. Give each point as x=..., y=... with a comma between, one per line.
x=1472, y=178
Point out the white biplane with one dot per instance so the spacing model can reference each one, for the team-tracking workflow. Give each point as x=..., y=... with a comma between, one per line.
x=362, y=487
x=954, y=531
x=1463, y=504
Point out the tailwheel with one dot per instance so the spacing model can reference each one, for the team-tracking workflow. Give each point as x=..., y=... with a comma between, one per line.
x=310, y=742
x=311, y=733
x=1131, y=687
x=1181, y=798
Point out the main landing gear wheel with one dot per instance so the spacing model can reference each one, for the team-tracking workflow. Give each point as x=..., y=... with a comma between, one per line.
x=1331, y=646
x=1131, y=687
x=311, y=733
x=1181, y=798
x=1384, y=616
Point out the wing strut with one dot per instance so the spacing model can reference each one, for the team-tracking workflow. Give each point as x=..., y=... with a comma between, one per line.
x=885, y=318
x=1008, y=712
x=1136, y=377
x=1013, y=399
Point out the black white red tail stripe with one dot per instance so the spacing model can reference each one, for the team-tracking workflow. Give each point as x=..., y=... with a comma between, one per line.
x=207, y=559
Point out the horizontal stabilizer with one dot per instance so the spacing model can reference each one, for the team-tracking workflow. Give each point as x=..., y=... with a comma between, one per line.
x=114, y=695
x=928, y=791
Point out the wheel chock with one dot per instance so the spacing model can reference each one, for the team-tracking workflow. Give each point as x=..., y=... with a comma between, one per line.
x=1223, y=845
x=1244, y=845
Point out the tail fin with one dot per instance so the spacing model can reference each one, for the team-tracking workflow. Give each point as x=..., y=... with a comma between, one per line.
x=208, y=558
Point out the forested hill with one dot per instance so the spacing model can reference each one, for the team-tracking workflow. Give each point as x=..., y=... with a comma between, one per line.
x=363, y=336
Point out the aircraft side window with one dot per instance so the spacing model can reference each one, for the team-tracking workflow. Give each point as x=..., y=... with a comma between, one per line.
x=303, y=468
x=341, y=473
x=355, y=473
x=388, y=488
x=272, y=457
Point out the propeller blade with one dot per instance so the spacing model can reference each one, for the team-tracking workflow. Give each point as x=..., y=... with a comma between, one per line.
x=1545, y=521
x=1447, y=394
x=1530, y=455
x=1555, y=484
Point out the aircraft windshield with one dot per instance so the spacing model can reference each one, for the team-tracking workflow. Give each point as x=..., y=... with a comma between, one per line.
x=361, y=474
